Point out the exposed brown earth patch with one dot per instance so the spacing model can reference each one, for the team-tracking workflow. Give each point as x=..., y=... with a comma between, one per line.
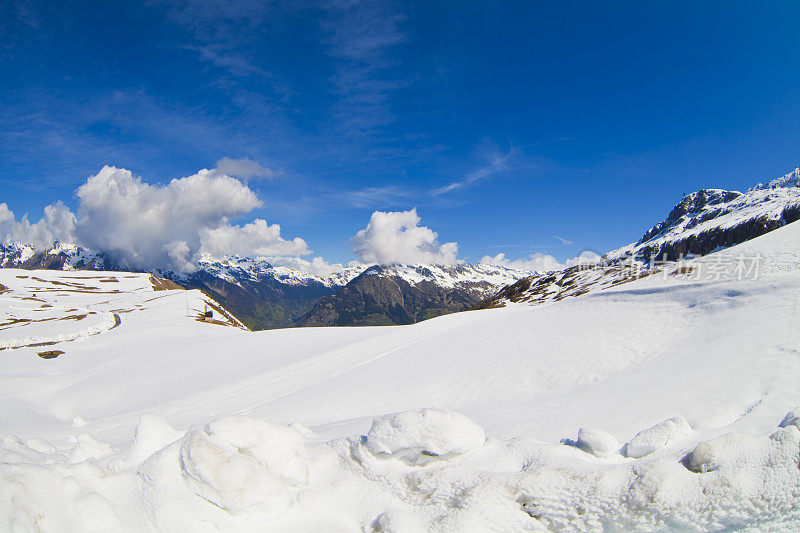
x=682, y=270
x=63, y=284
x=50, y=354
x=160, y=284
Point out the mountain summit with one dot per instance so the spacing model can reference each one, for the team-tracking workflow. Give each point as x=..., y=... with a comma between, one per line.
x=712, y=219
x=702, y=222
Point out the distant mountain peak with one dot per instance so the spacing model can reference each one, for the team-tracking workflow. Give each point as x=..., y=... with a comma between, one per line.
x=710, y=219
x=792, y=179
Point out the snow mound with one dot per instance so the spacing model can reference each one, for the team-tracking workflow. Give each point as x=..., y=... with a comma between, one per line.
x=153, y=432
x=87, y=447
x=597, y=442
x=657, y=437
x=422, y=435
x=240, y=463
x=740, y=454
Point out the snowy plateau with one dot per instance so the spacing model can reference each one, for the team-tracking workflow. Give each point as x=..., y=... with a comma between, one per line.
x=667, y=402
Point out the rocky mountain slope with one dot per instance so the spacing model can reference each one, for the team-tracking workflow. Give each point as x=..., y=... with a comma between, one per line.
x=711, y=219
x=261, y=295
x=386, y=295
x=703, y=222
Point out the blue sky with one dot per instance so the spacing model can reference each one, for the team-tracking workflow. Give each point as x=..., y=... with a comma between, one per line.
x=506, y=124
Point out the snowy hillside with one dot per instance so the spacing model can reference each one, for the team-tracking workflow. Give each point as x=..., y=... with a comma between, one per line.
x=657, y=404
x=42, y=308
x=703, y=222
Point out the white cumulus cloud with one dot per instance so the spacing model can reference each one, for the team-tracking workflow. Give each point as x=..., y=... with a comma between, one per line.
x=255, y=238
x=154, y=225
x=397, y=237
x=587, y=257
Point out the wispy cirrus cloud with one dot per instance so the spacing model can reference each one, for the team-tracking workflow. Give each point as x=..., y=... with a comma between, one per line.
x=244, y=168
x=236, y=64
x=497, y=163
x=217, y=20
x=373, y=197
x=361, y=38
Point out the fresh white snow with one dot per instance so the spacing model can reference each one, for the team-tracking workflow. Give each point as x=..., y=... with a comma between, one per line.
x=461, y=423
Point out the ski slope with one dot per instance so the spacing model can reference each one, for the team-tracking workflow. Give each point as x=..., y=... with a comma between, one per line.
x=651, y=405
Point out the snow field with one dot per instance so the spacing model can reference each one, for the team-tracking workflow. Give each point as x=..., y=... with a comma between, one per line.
x=681, y=396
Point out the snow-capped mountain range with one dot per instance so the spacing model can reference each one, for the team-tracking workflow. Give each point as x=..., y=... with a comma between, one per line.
x=60, y=256
x=402, y=294
x=266, y=296
x=235, y=269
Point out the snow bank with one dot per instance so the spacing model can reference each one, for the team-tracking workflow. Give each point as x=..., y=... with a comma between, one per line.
x=420, y=436
x=239, y=463
x=597, y=442
x=87, y=447
x=65, y=332
x=244, y=474
x=153, y=432
x=657, y=437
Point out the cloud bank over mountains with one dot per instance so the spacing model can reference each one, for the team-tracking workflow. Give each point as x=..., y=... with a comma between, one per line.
x=539, y=262
x=152, y=225
x=57, y=224
x=171, y=226
x=156, y=226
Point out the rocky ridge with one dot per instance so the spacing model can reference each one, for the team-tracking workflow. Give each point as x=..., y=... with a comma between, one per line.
x=702, y=222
